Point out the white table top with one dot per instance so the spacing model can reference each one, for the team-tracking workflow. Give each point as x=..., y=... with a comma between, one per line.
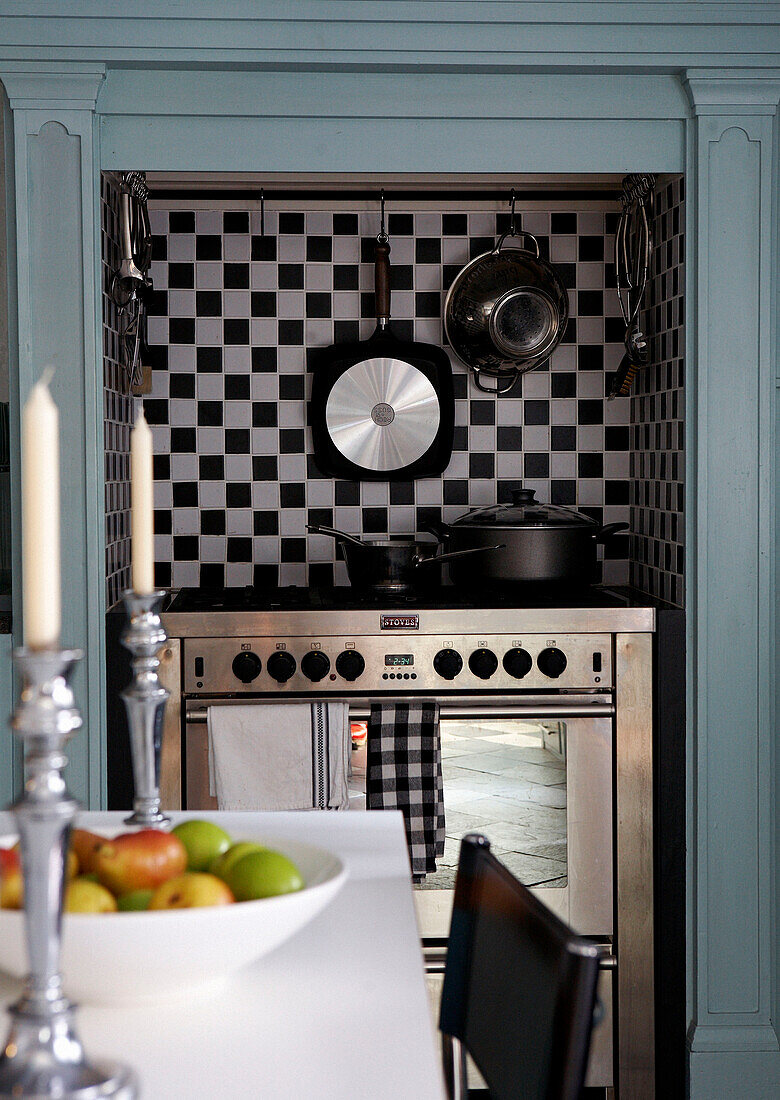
x=339, y=1011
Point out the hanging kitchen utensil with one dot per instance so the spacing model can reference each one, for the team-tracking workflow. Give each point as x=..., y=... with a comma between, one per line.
x=131, y=286
x=506, y=311
x=633, y=249
x=383, y=408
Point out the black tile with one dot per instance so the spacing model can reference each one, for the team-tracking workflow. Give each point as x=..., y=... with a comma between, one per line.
x=293, y=550
x=181, y=221
x=402, y=277
x=265, y=468
x=563, y=384
x=236, y=276
x=536, y=464
x=617, y=438
x=183, y=441
x=313, y=472
x=212, y=575
x=265, y=576
x=185, y=494
x=263, y=303
x=238, y=494
x=590, y=464
x=181, y=330
x=590, y=249
x=212, y=521
x=319, y=249
x=563, y=437
x=323, y=517
x=263, y=248
x=181, y=276
x=590, y=357
x=482, y=412
x=290, y=333
x=239, y=548
x=449, y=273
x=427, y=304
x=162, y=574
x=570, y=332
x=614, y=330
x=536, y=412
x=161, y=467
x=568, y=274
x=456, y=492
x=210, y=414
x=563, y=492
x=460, y=438
x=509, y=438
x=263, y=360
x=346, y=276
x=156, y=410
x=181, y=385
x=346, y=332
x=292, y=441
x=345, y=225
x=478, y=245
x=290, y=277
x=292, y=224
x=158, y=356
x=185, y=548
x=292, y=494
x=590, y=303
x=616, y=492
x=374, y=521
x=321, y=574
x=208, y=303
x=237, y=441
x=318, y=304
x=482, y=464
x=208, y=360
x=367, y=307
x=211, y=467
x=402, y=492
x=159, y=247
x=292, y=387
x=454, y=225
x=367, y=249
x=427, y=250
x=208, y=247
x=404, y=329
x=563, y=223
x=266, y=522
x=237, y=387
x=347, y=494
x=460, y=385
x=235, y=221
x=236, y=330
x=400, y=225
x=590, y=412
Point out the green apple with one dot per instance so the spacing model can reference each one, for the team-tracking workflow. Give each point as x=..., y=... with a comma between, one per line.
x=192, y=890
x=222, y=864
x=83, y=896
x=135, y=901
x=263, y=874
x=203, y=840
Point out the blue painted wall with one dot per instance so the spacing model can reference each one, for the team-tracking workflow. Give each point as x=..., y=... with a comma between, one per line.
x=355, y=85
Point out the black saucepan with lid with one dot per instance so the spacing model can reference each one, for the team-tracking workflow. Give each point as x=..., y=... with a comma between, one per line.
x=539, y=543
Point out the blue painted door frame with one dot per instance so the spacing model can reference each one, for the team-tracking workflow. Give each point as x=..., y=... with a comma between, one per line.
x=505, y=87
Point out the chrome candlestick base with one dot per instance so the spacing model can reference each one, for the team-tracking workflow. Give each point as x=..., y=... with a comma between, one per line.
x=145, y=700
x=42, y=1057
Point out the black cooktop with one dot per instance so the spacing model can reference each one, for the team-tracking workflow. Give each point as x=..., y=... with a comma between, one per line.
x=296, y=598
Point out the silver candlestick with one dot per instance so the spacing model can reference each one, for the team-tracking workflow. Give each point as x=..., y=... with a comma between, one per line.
x=145, y=700
x=43, y=1056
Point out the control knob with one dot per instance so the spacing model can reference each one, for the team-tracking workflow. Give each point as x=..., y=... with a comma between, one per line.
x=448, y=663
x=246, y=667
x=281, y=666
x=350, y=664
x=518, y=663
x=315, y=665
x=483, y=663
x=552, y=662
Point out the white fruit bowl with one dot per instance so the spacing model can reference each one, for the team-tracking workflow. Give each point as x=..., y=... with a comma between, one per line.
x=150, y=956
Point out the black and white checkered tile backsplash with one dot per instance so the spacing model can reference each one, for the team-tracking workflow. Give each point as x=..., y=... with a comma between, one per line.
x=233, y=317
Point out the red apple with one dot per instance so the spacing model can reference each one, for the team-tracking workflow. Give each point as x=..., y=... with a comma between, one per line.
x=10, y=879
x=139, y=861
x=85, y=844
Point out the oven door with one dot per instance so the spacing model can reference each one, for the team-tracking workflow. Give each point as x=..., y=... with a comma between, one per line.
x=533, y=775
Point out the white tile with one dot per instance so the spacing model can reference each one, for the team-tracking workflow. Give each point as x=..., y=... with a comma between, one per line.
x=290, y=304
x=236, y=247
x=590, y=383
x=319, y=493
x=210, y=387
x=235, y=303
x=158, y=219
x=318, y=332
x=161, y=438
x=265, y=441
x=536, y=385
x=186, y=521
x=239, y=521
x=238, y=574
x=590, y=492
x=292, y=468
x=181, y=248
x=509, y=464
x=346, y=250
x=262, y=331
x=617, y=464
x=375, y=493
x=158, y=272
x=427, y=224
x=346, y=305
x=208, y=275
x=213, y=548
x=182, y=413
x=211, y=441
x=238, y=414
x=237, y=359
x=163, y=494
x=319, y=223
x=265, y=549
x=185, y=574
x=347, y=519
x=208, y=221
x=563, y=464
x=590, y=330
x=208, y=331
x=536, y=437
x=563, y=249
x=181, y=357
x=238, y=467
x=265, y=495
x=292, y=522
x=263, y=275
x=292, y=573
x=319, y=276
x=184, y=467
x=563, y=411
x=270, y=221
x=429, y=491
x=590, y=276
x=212, y=494
x=482, y=437
x=264, y=387
x=454, y=250
x=163, y=548
x=292, y=414
x=291, y=249
x=564, y=357
x=590, y=437
x=157, y=330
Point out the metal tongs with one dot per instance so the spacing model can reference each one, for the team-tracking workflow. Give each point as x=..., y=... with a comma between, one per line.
x=633, y=250
x=131, y=285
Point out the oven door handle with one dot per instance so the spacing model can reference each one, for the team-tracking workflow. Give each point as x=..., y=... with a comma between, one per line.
x=499, y=709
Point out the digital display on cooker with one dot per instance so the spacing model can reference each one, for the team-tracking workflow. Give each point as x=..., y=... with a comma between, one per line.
x=395, y=659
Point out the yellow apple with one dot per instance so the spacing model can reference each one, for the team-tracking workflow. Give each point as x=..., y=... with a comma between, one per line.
x=84, y=896
x=192, y=890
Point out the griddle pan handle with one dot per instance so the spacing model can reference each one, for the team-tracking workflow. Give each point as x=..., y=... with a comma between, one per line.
x=382, y=281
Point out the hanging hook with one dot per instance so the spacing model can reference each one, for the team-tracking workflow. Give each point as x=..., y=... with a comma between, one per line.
x=512, y=226
x=382, y=235
x=262, y=212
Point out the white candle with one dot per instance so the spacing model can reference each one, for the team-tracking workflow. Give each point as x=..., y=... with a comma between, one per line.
x=142, y=495
x=41, y=597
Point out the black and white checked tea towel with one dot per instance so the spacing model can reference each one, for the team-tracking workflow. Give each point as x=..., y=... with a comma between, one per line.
x=404, y=773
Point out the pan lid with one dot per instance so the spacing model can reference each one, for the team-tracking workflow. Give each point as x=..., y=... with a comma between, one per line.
x=525, y=511
x=382, y=413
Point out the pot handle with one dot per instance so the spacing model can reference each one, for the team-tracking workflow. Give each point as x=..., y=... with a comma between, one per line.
x=498, y=388
x=610, y=530
x=519, y=233
x=382, y=280
x=436, y=528
x=318, y=529
x=436, y=558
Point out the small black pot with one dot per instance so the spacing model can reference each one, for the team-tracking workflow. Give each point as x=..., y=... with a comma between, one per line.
x=541, y=544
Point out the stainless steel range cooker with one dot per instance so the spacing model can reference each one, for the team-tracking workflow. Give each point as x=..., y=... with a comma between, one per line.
x=546, y=719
